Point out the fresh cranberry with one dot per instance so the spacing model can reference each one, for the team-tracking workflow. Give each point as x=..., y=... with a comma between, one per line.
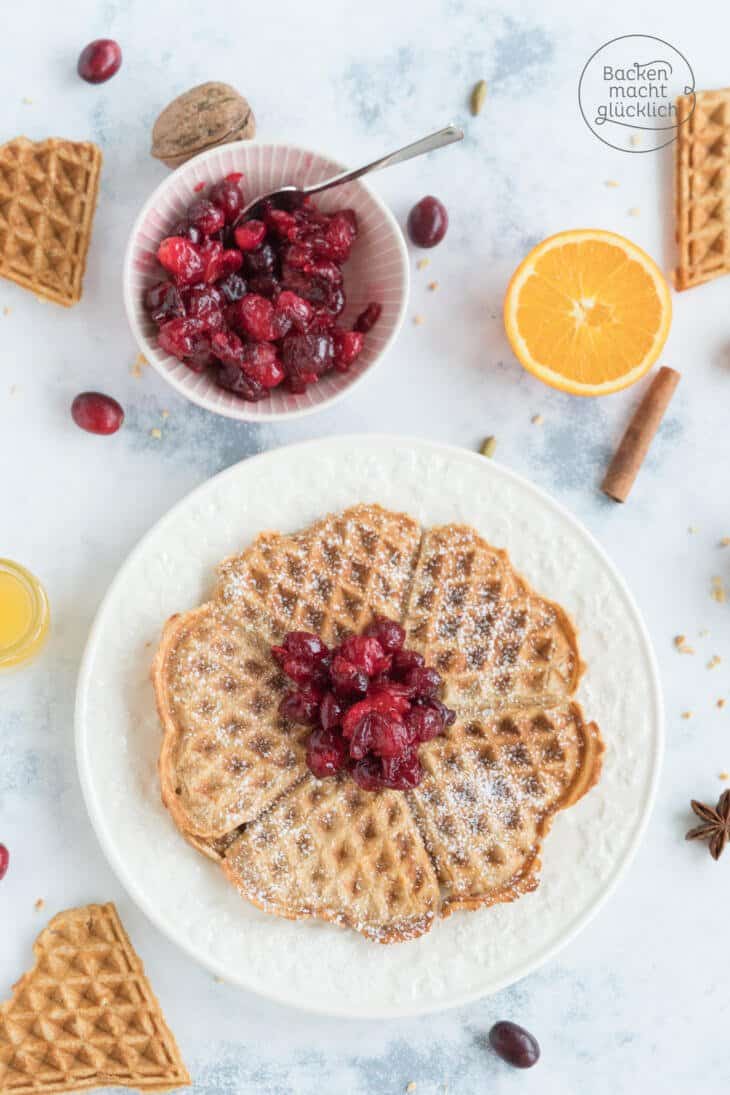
x=219, y=262
x=4, y=861
x=347, y=679
x=184, y=228
x=260, y=361
x=163, y=302
x=206, y=217
x=326, y=753
x=235, y=380
x=307, y=353
x=258, y=319
x=366, y=653
x=232, y=287
x=402, y=772
x=405, y=660
x=427, y=222
x=301, y=706
x=178, y=336
x=227, y=196
x=97, y=413
x=204, y=302
x=99, y=61
x=424, y=681
x=389, y=633
x=348, y=346
x=514, y=1044
x=296, y=309
x=182, y=259
x=330, y=711
x=368, y=317
x=250, y=235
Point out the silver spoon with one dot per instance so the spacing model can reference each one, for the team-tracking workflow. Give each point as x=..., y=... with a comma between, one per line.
x=296, y=194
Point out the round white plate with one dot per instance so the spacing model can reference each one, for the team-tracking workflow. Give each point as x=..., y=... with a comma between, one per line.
x=318, y=966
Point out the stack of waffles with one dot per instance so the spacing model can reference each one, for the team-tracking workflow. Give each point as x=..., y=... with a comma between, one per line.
x=386, y=863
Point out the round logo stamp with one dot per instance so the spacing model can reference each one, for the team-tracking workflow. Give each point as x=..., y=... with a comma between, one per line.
x=635, y=92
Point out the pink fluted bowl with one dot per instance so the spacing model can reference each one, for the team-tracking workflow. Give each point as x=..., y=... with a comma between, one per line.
x=377, y=270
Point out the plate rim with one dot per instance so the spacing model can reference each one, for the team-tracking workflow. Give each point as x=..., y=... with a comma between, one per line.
x=353, y=1011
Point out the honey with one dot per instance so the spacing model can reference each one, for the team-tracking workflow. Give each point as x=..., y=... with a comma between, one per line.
x=24, y=615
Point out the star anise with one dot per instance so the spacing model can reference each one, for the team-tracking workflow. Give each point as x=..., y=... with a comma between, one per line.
x=715, y=825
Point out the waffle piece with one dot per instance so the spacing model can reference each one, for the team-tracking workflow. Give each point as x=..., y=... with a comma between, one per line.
x=48, y=192
x=702, y=188
x=331, y=850
x=470, y=835
x=490, y=791
x=494, y=641
x=330, y=579
x=226, y=753
x=85, y=1015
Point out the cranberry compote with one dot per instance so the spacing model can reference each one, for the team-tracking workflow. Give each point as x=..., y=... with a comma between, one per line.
x=371, y=703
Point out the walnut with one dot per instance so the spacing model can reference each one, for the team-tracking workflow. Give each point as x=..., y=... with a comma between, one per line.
x=208, y=115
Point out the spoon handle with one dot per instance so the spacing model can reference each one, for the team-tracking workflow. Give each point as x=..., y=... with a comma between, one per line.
x=440, y=139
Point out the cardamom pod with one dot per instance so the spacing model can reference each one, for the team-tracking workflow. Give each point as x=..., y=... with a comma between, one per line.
x=478, y=96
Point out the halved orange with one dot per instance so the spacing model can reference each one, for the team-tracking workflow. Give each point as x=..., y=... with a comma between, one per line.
x=587, y=312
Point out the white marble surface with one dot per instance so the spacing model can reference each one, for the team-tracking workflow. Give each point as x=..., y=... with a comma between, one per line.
x=639, y=1002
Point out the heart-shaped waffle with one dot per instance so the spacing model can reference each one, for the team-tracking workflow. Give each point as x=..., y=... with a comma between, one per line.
x=386, y=863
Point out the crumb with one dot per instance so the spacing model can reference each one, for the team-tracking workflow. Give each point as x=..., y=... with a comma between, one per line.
x=635, y=140
x=422, y=264
x=218, y=980
x=680, y=642
x=411, y=1086
x=7, y=310
x=537, y=420
x=725, y=542
x=489, y=444
x=724, y=775
x=148, y=643
x=714, y=661
x=704, y=633
x=165, y=414
x=692, y=530
x=718, y=591
x=26, y=101
x=13, y=389
x=138, y=365
x=721, y=703
x=634, y=211
x=433, y=286
x=39, y=904
x=686, y=714
x=611, y=182
x=417, y=320
x=157, y=434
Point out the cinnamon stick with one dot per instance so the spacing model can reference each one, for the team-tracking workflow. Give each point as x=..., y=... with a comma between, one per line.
x=640, y=431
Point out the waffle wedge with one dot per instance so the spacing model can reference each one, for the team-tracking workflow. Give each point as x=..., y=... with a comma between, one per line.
x=85, y=1015
x=385, y=863
x=48, y=192
x=702, y=187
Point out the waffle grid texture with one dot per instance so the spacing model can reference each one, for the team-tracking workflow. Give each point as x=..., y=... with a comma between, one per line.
x=233, y=772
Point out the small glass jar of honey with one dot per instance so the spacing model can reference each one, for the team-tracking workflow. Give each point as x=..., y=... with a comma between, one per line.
x=24, y=614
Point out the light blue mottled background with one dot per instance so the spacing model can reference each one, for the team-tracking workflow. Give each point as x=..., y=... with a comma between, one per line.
x=640, y=1002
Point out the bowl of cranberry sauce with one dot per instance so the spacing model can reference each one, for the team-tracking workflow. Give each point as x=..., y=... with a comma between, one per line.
x=280, y=315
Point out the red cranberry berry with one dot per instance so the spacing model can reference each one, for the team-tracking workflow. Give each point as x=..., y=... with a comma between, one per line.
x=424, y=681
x=235, y=380
x=389, y=633
x=97, y=413
x=308, y=353
x=206, y=217
x=179, y=337
x=368, y=317
x=427, y=222
x=99, y=61
x=330, y=711
x=326, y=753
x=227, y=195
x=348, y=347
x=368, y=773
x=404, y=661
x=301, y=706
x=402, y=772
x=366, y=653
x=347, y=679
x=250, y=235
x=4, y=861
x=204, y=302
x=296, y=309
x=425, y=723
x=182, y=259
x=163, y=302
x=260, y=361
x=232, y=287
x=514, y=1044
